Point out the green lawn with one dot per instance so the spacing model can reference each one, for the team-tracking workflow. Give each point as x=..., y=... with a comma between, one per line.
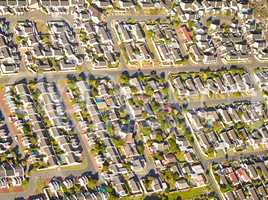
x=81, y=166
x=25, y=184
x=140, y=197
x=185, y=195
x=189, y=194
x=40, y=184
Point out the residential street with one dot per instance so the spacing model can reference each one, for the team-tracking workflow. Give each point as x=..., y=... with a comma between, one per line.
x=9, y=79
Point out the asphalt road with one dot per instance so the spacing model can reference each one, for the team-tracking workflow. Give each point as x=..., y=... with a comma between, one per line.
x=54, y=75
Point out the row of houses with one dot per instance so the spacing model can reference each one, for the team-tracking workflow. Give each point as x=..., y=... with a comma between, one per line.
x=60, y=129
x=224, y=134
x=111, y=155
x=240, y=42
x=228, y=41
x=233, y=139
x=56, y=50
x=214, y=83
x=133, y=37
x=146, y=100
x=85, y=191
x=246, y=112
x=10, y=58
x=11, y=175
x=19, y=7
x=24, y=116
x=44, y=133
x=166, y=44
x=241, y=176
x=128, y=4
x=71, y=187
x=6, y=141
x=261, y=77
x=191, y=10
x=60, y=6
x=99, y=45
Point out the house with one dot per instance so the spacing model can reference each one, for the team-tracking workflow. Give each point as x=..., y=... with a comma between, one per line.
x=226, y=116
x=197, y=169
x=54, y=186
x=119, y=186
x=169, y=159
x=68, y=64
x=12, y=171
x=199, y=85
x=240, y=194
x=229, y=195
x=242, y=175
x=157, y=184
x=194, y=50
x=209, y=58
x=194, y=121
x=126, y=4
x=181, y=89
x=134, y=185
x=137, y=164
x=253, y=194
x=9, y=68
x=263, y=169
x=43, y=64
x=186, y=34
x=252, y=172
x=233, y=178
x=4, y=183
x=181, y=184
x=104, y=4
x=262, y=192
x=198, y=180
x=205, y=143
x=130, y=150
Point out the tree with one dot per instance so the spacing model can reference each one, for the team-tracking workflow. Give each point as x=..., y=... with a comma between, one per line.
x=99, y=147
x=164, y=91
x=111, y=192
x=118, y=142
x=173, y=145
x=26, y=128
x=92, y=183
x=217, y=127
x=148, y=181
x=158, y=156
x=151, y=33
x=159, y=138
x=190, y=24
x=169, y=178
x=149, y=91
x=124, y=79
x=144, y=114
x=140, y=147
x=164, y=125
x=154, y=197
x=110, y=129
x=146, y=130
